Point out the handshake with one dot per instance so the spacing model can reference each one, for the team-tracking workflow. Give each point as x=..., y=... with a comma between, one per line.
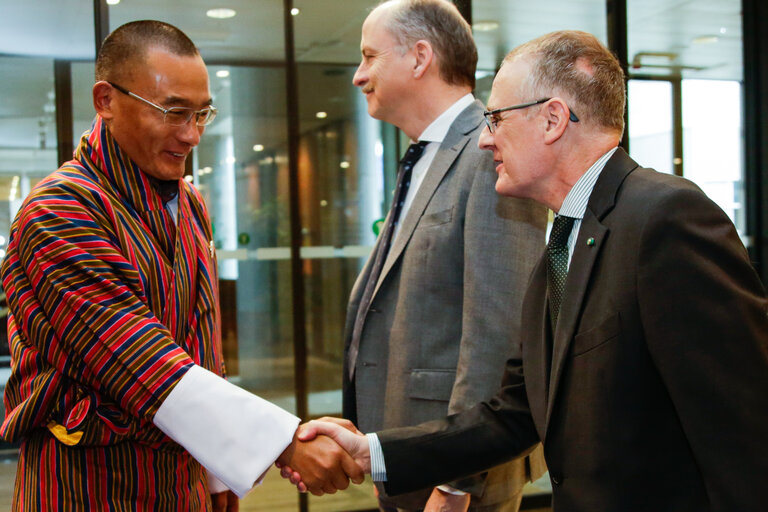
x=325, y=455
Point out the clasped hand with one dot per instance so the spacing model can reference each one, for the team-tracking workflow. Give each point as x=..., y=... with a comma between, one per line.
x=325, y=455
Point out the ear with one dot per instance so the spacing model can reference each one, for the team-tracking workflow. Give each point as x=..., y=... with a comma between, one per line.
x=423, y=52
x=556, y=116
x=102, y=99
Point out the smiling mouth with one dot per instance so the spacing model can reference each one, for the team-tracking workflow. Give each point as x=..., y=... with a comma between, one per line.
x=178, y=155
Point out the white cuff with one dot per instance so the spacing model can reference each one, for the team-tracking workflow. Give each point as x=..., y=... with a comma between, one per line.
x=378, y=466
x=234, y=434
x=450, y=490
x=215, y=486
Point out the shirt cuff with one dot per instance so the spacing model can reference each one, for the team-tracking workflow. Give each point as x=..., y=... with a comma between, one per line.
x=215, y=486
x=234, y=434
x=450, y=490
x=378, y=467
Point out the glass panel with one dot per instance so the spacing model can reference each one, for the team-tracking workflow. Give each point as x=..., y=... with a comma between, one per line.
x=49, y=28
x=501, y=25
x=650, y=123
x=701, y=43
x=82, y=99
x=713, y=142
x=342, y=194
x=699, y=39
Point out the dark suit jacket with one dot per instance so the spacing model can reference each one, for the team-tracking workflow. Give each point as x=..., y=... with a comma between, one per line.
x=447, y=304
x=657, y=398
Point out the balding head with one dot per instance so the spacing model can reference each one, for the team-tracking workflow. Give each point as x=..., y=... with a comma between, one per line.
x=579, y=67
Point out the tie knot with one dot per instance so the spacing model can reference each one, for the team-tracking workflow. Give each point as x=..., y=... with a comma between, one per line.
x=561, y=230
x=413, y=153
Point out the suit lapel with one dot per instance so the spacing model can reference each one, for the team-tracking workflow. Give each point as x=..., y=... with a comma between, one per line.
x=454, y=143
x=601, y=202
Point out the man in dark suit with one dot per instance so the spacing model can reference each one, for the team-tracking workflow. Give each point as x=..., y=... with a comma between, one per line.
x=648, y=385
x=434, y=312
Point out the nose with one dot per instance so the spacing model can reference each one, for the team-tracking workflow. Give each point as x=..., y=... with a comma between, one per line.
x=486, y=140
x=190, y=133
x=360, y=78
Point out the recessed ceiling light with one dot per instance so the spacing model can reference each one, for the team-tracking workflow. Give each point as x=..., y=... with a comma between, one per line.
x=705, y=40
x=113, y=2
x=222, y=73
x=723, y=30
x=485, y=26
x=321, y=115
x=221, y=13
x=344, y=165
x=258, y=147
x=295, y=11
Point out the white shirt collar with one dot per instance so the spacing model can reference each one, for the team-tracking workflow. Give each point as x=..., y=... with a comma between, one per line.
x=437, y=130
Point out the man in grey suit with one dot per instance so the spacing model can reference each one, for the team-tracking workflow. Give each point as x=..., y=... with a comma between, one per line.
x=430, y=324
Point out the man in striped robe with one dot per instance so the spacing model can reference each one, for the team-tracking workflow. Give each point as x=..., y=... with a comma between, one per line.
x=116, y=392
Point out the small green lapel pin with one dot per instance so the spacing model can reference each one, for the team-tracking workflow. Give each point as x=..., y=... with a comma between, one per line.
x=590, y=242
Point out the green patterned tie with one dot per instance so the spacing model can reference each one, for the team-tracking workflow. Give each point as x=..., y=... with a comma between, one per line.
x=557, y=264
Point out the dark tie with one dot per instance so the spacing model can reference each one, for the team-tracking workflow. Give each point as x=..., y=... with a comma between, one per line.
x=405, y=169
x=557, y=264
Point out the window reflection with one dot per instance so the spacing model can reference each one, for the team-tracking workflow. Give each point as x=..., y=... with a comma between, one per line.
x=650, y=123
x=713, y=142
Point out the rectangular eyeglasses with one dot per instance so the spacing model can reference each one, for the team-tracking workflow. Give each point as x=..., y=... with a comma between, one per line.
x=176, y=116
x=492, y=118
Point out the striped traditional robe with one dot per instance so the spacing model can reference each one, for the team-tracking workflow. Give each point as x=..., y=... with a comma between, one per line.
x=110, y=303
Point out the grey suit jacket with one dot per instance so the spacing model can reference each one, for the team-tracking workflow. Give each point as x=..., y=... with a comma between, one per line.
x=446, y=311
x=655, y=397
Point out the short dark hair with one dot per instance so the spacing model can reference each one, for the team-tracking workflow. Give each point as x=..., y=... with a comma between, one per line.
x=578, y=65
x=440, y=23
x=130, y=42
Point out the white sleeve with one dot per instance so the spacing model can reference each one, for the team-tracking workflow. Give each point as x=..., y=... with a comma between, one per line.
x=234, y=434
x=215, y=485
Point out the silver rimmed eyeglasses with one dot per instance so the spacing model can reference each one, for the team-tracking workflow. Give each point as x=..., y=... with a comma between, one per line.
x=176, y=116
x=492, y=118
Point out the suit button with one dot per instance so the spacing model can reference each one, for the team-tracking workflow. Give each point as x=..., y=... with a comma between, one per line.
x=556, y=479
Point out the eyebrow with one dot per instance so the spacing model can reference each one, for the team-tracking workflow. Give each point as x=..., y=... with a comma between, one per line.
x=179, y=101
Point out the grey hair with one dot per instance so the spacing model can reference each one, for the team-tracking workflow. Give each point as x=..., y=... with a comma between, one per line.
x=440, y=23
x=579, y=67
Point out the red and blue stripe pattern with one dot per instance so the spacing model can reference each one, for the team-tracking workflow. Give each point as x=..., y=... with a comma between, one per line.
x=110, y=303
